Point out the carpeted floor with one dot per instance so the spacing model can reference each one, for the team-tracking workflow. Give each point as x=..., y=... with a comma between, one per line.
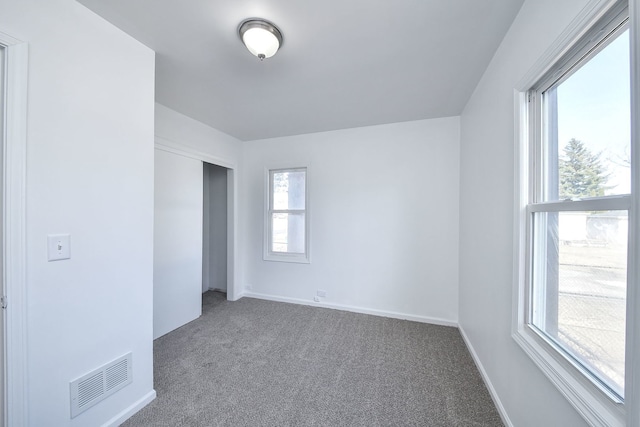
x=262, y=363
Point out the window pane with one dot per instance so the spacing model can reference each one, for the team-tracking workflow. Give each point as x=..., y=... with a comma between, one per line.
x=579, y=288
x=289, y=190
x=287, y=231
x=588, y=128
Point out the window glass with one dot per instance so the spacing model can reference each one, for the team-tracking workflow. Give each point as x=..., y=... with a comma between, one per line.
x=588, y=128
x=289, y=190
x=580, y=285
x=288, y=233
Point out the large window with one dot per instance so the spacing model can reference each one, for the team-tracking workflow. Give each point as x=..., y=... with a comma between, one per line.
x=286, y=227
x=575, y=218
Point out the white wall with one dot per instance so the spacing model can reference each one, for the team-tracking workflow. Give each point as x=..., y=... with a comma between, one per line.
x=90, y=174
x=384, y=218
x=177, y=244
x=486, y=219
x=215, y=228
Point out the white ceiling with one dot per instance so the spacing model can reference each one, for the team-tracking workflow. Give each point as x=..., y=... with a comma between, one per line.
x=343, y=63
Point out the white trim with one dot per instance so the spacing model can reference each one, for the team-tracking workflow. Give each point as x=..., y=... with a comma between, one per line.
x=233, y=281
x=14, y=194
x=594, y=403
x=285, y=257
x=353, y=309
x=241, y=295
x=592, y=11
x=521, y=189
x=607, y=203
x=577, y=389
x=177, y=148
x=487, y=381
x=131, y=410
x=174, y=147
x=582, y=52
x=206, y=229
x=632, y=379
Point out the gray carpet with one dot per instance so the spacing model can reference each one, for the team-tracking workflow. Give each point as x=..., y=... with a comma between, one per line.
x=262, y=363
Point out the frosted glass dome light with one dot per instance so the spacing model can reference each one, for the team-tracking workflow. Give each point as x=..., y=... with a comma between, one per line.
x=262, y=38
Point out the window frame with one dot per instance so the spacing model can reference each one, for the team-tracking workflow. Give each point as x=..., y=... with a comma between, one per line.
x=268, y=253
x=595, y=402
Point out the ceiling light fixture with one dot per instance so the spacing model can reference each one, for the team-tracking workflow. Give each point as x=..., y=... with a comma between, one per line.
x=261, y=37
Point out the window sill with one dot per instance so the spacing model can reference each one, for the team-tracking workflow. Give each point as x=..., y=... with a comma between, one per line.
x=596, y=406
x=282, y=257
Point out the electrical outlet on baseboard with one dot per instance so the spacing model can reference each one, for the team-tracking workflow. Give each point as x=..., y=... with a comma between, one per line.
x=321, y=293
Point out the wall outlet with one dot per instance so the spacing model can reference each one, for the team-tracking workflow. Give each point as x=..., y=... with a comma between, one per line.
x=321, y=293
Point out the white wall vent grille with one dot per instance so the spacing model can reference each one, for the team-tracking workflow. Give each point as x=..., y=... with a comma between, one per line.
x=117, y=374
x=90, y=389
x=97, y=385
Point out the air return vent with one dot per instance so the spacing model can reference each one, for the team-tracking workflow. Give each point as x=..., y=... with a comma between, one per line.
x=97, y=385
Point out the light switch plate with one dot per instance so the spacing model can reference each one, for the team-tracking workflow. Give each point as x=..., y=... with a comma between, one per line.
x=58, y=246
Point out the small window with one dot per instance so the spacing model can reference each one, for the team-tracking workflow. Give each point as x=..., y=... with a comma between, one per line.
x=575, y=203
x=286, y=227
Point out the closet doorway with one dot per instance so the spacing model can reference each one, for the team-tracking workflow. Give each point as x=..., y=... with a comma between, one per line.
x=194, y=233
x=215, y=213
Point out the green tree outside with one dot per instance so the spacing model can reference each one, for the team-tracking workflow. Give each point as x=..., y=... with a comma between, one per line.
x=581, y=172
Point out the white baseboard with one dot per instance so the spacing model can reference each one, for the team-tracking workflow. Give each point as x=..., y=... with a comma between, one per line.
x=237, y=296
x=127, y=413
x=353, y=309
x=492, y=391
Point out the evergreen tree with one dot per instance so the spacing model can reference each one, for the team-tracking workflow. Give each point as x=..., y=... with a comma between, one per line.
x=581, y=172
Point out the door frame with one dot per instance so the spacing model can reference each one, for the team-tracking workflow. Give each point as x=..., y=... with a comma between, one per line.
x=14, y=144
x=233, y=291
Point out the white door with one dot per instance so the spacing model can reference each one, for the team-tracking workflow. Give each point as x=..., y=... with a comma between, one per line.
x=177, y=247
